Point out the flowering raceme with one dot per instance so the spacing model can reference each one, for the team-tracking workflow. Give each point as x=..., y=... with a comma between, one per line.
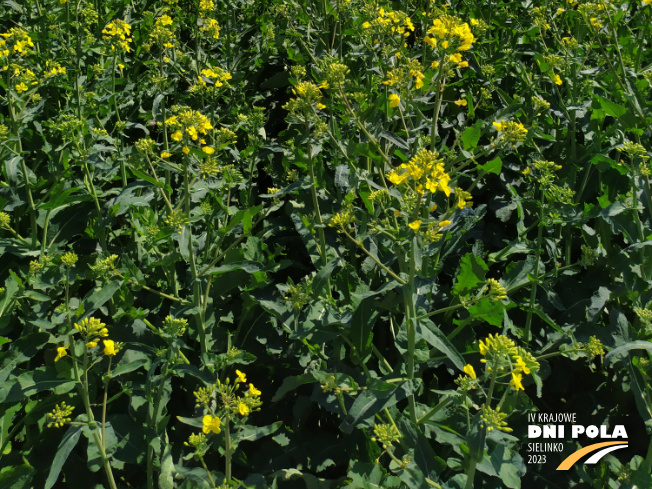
x=395, y=21
x=425, y=169
x=449, y=31
x=188, y=123
x=117, y=32
x=17, y=41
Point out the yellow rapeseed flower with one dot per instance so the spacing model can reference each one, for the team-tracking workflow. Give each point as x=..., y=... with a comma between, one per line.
x=516, y=381
x=241, y=377
x=468, y=370
x=415, y=225
x=253, y=391
x=394, y=100
x=243, y=409
x=109, y=348
x=211, y=423
x=62, y=351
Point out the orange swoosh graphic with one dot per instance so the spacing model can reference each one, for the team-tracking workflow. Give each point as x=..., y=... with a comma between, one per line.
x=574, y=457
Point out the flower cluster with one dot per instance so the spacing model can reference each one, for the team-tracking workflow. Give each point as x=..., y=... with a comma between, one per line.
x=234, y=406
x=495, y=291
x=176, y=219
x=208, y=25
x=5, y=220
x=426, y=170
x=187, y=125
x=60, y=415
x=52, y=68
x=91, y=330
x=118, y=33
x=450, y=35
x=595, y=348
x=15, y=41
x=493, y=419
x=386, y=434
x=396, y=22
x=175, y=326
x=22, y=78
x=210, y=80
x=505, y=358
x=336, y=74
x=162, y=35
x=308, y=96
x=105, y=267
x=463, y=198
x=408, y=71
x=510, y=131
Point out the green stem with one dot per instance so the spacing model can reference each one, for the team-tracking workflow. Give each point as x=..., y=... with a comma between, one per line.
x=104, y=402
x=378, y=262
x=533, y=292
x=227, y=449
x=435, y=410
x=208, y=472
x=441, y=81
x=411, y=320
x=153, y=422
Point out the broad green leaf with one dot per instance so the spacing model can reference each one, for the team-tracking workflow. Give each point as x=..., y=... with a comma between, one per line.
x=487, y=311
x=472, y=273
x=598, y=302
x=321, y=279
x=97, y=297
x=291, y=383
x=427, y=330
x=634, y=345
x=126, y=367
x=397, y=141
x=371, y=401
x=253, y=433
x=249, y=267
x=362, y=323
x=471, y=136
x=166, y=477
x=66, y=445
x=610, y=108
x=493, y=166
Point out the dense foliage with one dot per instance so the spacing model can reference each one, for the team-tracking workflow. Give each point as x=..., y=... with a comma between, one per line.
x=322, y=243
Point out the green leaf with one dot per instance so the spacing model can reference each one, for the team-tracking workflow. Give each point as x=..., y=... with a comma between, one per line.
x=488, y=311
x=126, y=367
x=427, y=330
x=471, y=136
x=253, y=433
x=68, y=442
x=472, y=273
x=612, y=109
x=249, y=267
x=291, y=383
x=322, y=277
x=362, y=323
x=374, y=400
x=397, y=141
x=97, y=297
x=634, y=345
x=598, y=302
x=493, y=166
x=17, y=477
x=166, y=477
